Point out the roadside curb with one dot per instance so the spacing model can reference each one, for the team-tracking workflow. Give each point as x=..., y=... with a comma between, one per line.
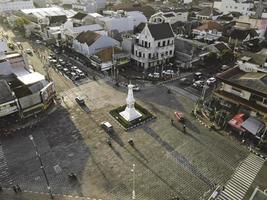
x=257, y=153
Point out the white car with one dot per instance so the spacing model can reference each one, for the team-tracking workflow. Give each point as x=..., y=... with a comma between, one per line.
x=211, y=80
x=106, y=126
x=154, y=75
x=38, y=41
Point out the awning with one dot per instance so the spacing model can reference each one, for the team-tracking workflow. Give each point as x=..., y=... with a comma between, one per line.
x=237, y=121
x=253, y=125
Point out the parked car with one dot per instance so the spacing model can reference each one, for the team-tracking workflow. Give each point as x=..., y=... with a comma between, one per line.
x=154, y=75
x=38, y=41
x=211, y=81
x=168, y=72
x=80, y=101
x=136, y=88
x=106, y=126
x=198, y=76
x=198, y=84
x=29, y=51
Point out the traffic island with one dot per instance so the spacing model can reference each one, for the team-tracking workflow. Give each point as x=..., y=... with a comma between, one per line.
x=127, y=125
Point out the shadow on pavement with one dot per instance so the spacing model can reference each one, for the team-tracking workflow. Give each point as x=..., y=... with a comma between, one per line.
x=140, y=153
x=115, y=136
x=180, y=159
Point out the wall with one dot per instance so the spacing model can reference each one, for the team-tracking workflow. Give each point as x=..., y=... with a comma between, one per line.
x=227, y=6
x=15, y=5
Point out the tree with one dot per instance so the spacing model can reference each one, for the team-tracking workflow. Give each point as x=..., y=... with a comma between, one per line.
x=227, y=56
x=211, y=58
x=20, y=22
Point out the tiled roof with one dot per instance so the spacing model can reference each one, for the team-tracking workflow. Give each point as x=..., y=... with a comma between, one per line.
x=207, y=11
x=255, y=82
x=5, y=92
x=106, y=54
x=57, y=19
x=79, y=16
x=88, y=37
x=160, y=31
x=210, y=25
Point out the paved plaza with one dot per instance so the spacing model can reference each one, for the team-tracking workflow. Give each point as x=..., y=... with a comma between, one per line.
x=168, y=161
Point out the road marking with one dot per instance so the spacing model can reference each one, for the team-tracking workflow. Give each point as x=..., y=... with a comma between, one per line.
x=240, y=182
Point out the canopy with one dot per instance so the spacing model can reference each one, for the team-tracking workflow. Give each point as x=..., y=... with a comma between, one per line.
x=253, y=125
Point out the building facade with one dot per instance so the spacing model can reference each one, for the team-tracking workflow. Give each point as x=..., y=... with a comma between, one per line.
x=153, y=46
x=169, y=17
x=15, y=5
x=227, y=6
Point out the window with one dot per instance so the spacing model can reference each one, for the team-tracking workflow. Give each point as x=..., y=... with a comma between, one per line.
x=149, y=55
x=148, y=44
x=140, y=54
x=255, y=97
x=145, y=43
x=166, y=53
x=158, y=44
x=170, y=52
x=164, y=43
x=168, y=42
x=235, y=7
x=144, y=55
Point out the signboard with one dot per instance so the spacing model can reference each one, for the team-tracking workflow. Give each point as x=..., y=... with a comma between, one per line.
x=6, y=109
x=48, y=93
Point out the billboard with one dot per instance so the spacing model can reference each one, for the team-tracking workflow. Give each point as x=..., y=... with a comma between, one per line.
x=48, y=93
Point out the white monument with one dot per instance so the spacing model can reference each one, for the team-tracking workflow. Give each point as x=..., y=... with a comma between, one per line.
x=130, y=113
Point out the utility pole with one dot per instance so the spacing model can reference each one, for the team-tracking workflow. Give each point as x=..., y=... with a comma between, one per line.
x=42, y=166
x=133, y=192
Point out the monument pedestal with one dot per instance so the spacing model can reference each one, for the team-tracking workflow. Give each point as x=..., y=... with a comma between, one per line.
x=130, y=113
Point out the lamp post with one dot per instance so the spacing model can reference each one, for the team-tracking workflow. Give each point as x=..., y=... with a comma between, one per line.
x=133, y=193
x=42, y=166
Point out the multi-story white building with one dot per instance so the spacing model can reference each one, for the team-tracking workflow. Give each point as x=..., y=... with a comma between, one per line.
x=15, y=5
x=169, y=17
x=153, y=46
x=227, y=6
x=120, y=20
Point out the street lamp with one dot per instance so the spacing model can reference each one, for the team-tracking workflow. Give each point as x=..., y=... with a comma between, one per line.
x=42, y=166
x=133, y=193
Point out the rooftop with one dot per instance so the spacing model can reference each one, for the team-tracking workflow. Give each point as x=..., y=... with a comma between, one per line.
x=88, y=37
x=45, y=12
x=31, y=78
x=210, y=25
x=79, y=16
x=160, y=31
x=255, y=82
x=5, y=92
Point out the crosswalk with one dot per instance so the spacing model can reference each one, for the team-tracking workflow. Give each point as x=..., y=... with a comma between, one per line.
x=238, y=185
x=5, y=179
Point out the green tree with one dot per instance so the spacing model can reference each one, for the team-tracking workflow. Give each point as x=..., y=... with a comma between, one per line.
x=20, y=22
x=227, y=56
x=211, y=58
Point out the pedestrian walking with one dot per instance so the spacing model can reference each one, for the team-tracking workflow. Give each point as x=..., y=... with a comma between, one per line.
x=184, y=128
x=1, y=189
x=15, y=189
x=172, y=121
x=18, y=188
x=130, y=141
